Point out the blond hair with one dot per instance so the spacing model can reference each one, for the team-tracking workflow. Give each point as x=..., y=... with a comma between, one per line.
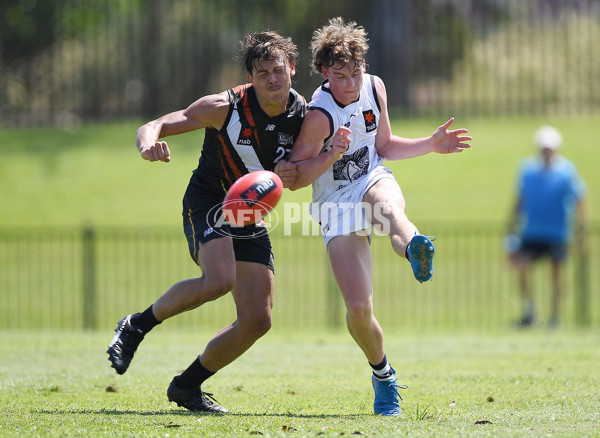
x=338, y=42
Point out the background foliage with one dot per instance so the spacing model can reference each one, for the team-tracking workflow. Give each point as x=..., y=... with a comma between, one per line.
x=63, y=61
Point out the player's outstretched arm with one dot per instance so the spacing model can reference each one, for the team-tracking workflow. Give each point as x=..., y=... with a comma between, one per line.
x=392, y=147
x=442, y=141
x=208, y=111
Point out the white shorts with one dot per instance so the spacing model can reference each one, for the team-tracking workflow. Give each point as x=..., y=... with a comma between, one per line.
x=343, y=212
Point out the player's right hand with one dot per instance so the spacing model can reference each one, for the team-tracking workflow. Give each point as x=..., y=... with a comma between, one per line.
x=341, y=142
x=158, y=151
x=286, y=170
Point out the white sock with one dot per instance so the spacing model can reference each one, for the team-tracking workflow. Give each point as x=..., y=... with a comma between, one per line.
x=384, y=373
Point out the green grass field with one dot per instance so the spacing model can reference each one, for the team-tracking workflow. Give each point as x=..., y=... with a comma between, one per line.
x=94, y=174
x=518, y=384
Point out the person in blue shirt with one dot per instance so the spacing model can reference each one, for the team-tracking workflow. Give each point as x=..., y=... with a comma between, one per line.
x=549, y=203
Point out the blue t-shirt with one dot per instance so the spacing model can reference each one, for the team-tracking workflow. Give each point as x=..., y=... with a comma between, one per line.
x=548, y=198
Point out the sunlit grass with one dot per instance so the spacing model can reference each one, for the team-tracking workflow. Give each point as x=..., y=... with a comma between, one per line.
x=514, y=384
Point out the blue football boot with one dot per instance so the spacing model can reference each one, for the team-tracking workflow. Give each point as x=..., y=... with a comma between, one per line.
x=420, y=253
x=387, y=398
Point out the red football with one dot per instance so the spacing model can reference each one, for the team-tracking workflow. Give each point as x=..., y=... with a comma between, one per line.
x=251, y=197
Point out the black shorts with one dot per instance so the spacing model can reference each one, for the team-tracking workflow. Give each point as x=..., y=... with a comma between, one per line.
x=203, y=221
x=556, y=251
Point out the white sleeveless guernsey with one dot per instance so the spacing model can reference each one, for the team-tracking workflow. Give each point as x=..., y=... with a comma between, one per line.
x=338, y=193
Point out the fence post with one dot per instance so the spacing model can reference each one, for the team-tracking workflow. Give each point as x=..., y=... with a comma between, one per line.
x=88, y=260
x=582, y=290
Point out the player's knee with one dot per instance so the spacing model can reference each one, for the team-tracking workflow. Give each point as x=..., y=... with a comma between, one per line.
x=219, y=285
x=257, y=325
x=261, y=327
x=360, y=310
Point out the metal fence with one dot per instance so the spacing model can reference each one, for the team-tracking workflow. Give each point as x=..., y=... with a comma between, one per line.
x=90, y=277
x=71, y=60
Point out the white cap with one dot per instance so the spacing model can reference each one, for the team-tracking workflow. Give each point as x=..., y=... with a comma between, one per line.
x=547, y=137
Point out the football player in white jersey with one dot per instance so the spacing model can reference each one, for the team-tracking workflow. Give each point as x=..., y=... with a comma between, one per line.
x=343, y=141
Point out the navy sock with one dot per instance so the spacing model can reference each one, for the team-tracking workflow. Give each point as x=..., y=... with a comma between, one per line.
x=193, y=376
x=146, y=320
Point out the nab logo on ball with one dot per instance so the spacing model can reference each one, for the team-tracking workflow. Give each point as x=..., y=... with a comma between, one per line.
x=258, y=191
x=251, y=197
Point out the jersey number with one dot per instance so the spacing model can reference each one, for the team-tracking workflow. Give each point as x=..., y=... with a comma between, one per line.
x=281, y=152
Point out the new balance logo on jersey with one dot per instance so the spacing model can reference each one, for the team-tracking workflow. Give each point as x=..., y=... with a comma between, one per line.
x=270, y=127
x=370, y=120
x=246, y=136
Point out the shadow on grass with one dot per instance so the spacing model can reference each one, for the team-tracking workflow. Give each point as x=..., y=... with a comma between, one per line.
x=184, y=413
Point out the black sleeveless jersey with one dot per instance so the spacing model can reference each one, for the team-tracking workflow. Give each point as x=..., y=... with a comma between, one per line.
x=249, y=140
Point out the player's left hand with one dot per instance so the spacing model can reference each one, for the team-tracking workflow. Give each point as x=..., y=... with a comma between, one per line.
x=446, y=141
x=286, y=170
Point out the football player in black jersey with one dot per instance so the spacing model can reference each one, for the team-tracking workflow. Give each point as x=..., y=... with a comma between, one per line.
x=249, y=127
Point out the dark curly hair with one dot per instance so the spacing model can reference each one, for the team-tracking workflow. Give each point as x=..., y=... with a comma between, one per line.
x=261, y=46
